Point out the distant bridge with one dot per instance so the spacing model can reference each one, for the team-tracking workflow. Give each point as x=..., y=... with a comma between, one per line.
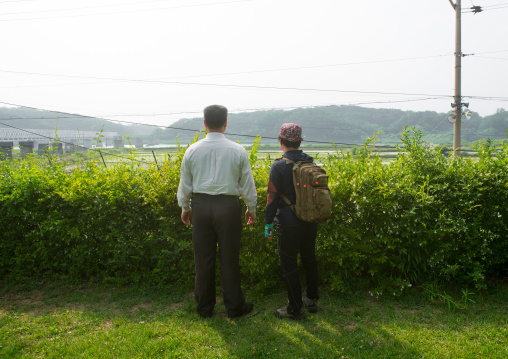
x=30, y=140
x=51, y=135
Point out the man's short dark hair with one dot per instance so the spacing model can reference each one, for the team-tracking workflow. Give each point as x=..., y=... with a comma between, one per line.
x=215, y=116
x=290, y=144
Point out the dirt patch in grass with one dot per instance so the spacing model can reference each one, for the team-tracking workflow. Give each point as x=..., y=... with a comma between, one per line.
x=23, y=298
x=350, y=310
x=31, y=302
x=138, y=307
x=176, y=306
x=36, y=302
x=407, y=311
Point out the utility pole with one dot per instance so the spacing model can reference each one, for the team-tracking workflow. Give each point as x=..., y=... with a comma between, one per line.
x=458, y=67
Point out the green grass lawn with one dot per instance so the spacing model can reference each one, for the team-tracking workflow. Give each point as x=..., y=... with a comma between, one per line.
x=55, y=321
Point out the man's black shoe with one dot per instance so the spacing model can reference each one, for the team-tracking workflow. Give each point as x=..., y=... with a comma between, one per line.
x=247, y=308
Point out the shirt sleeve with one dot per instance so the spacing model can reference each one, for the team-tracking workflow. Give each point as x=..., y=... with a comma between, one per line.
x=185, y=187
x=273, y=194
x=246, y=185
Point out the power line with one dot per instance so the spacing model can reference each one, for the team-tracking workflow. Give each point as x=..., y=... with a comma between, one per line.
x=329, y=65
x=477, y=9
x=167, y=81
x=107, y=117
x=314, y=66
x=128, y=11
x=183, y=129
x=252, y=71
x=166, y=127
x=497, y=8
x=491, y=52
x=235, y=73
x=237, y=86
x=81, y=84
x=395, y=101
x=9, y=1
x=80, y=8
x=194, y=130
x=493, y=5
x=431, y=96
x=492, y=58
x=71, y=116
x=486, y=98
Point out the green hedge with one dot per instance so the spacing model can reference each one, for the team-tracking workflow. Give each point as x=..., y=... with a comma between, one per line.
x=421, y=217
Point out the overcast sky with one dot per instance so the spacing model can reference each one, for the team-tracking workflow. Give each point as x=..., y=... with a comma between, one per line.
x=155, y=61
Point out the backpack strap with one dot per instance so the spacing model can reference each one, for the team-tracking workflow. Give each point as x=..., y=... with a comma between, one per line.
x=286, y=200
x=295, y=167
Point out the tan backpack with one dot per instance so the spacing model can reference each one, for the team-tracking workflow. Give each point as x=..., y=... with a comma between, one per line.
x=313, y=197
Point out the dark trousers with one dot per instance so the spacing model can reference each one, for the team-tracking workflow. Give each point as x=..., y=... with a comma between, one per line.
x=294, y=240
x=217, y=220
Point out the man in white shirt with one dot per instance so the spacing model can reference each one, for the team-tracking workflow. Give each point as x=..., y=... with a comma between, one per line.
x=215, y=172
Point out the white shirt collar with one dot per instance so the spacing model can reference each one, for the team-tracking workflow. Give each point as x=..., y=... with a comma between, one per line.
x=215, y=135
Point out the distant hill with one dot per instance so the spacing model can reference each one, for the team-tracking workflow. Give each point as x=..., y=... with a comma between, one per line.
x=340, y=124
x=34, y=119
x=346, y=124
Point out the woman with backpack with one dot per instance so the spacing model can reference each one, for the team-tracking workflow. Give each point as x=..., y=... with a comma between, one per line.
x=295, y=236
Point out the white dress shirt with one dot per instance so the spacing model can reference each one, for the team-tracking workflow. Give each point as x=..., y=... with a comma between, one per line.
x=216, y=165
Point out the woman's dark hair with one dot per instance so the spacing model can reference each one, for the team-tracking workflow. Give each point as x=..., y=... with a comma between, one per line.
x=215, y=116
x=290, y=144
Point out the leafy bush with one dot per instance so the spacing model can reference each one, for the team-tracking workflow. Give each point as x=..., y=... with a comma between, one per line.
x=107, y=224
x=421, y=217
x=418, y=218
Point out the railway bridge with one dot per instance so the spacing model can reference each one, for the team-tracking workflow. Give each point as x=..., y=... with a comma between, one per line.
x=29, y=140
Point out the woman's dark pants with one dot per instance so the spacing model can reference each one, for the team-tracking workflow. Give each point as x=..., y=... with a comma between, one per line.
x=294, y=240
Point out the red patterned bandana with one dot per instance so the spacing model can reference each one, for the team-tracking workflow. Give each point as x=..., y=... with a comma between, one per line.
x=291, y=132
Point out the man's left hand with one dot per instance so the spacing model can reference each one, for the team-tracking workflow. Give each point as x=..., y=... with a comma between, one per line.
x=186, y=217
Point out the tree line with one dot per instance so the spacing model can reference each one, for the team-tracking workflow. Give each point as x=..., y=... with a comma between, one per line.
x=340, y=124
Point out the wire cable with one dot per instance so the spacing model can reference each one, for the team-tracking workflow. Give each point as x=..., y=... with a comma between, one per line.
x=486, y=8
x=107, y=117
x=185, y=129
x=238, y=86
x=314, y=66
x=70, y=115
x=15, y=1
x=127, y=11
x=492, y=58
x=493, y=5
x=81, y=8
x=490, y=52
x=235, y=73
